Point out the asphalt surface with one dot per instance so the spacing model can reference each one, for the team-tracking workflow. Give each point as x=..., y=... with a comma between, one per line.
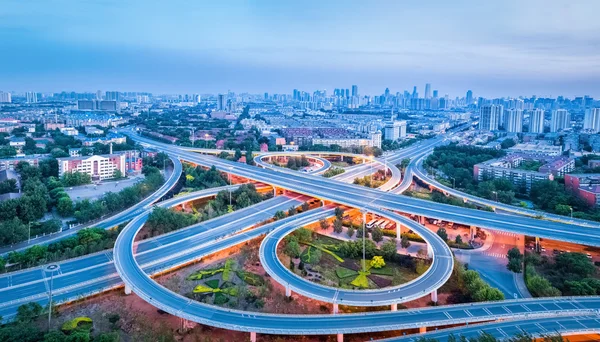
x=358, y=196
x=539, y=327
x=93, y=273
x=418, y=171
x=435, y=276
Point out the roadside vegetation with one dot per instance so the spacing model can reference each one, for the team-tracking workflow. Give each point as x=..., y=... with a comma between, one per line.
x=566, y=274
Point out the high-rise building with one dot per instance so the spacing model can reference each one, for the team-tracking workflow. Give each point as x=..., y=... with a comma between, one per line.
x=5, y=97
x=561, y=119
x=469, y=97
x=354, y=90
x=376, y=139
x=513, y=120
x=591, y=120
x=31, y=97
x=489, y=117
x=427, y=90
x=99, y=95
x=394, y=130
x=414, y=93
x=113, y=96
x=221, y=102
x=536, y=121
x=435, y=94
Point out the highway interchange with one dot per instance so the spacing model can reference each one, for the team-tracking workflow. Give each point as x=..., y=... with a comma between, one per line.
x=129, y=263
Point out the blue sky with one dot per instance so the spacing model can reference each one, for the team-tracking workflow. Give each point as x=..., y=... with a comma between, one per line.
x=496, y=48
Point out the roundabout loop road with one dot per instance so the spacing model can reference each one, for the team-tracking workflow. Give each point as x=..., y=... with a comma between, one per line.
x=435, y=276
x=325, y=164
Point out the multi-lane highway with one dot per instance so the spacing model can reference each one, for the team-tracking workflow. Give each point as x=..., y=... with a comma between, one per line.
x=362, y=197
x=109, y=222
x=94, y=273
x=419, y=172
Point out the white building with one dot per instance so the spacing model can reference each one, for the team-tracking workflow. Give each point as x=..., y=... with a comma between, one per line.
x=69, y=131
x=376, y=139
x=561, y=119
x=489, y=117
x=394, y=130
x=99, y=167
x=5, y=97
x=591, y=121
x=536, y=121
x=513, y=120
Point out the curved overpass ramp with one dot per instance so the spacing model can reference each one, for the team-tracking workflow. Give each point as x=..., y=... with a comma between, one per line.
x=435, y=276
x=417, y=170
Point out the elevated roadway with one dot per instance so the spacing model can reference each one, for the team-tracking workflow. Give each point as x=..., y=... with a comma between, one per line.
x=419, y=172
x=112, y=221
x=358, y=196
x=95, y=273
x=435, y=276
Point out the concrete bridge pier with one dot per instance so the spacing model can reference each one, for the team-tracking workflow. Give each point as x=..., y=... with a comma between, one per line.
x=422, y=219
x=288, y=291
x=422, y=330
x=340, y=337
x=434, y=296
x=398, y=231
x=472, y=232
x=127, y=290
x=537, y=243
x=394, y=307
x=336, y=308
x=253, y=336
x=429, y=251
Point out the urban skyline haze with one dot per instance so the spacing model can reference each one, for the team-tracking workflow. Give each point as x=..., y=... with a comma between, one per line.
x=496, y=48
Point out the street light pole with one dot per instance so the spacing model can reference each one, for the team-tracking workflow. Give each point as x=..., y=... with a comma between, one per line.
x=571, y=208
x=51, y=268
x=29, y=232
x=364, y=263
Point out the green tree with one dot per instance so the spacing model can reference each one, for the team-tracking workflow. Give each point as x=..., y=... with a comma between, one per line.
x=292, y=249
x=404, y=242
x=443, y=234
x=388, y=249
x=324, y=224
x=458, y=240
x=377, y=234
x=337, y=226
x=64, y=206
x=515, y=260
x=350, y=231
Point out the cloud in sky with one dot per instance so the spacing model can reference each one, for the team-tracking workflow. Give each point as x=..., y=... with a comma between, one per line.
x=497, y=48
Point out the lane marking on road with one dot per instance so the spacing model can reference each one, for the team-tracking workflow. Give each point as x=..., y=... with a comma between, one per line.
x=541, y=327
x=505, y=308
x=468, y=313
x=502, y=332
x=447, y=314
x=488, y=311
x=525, y=307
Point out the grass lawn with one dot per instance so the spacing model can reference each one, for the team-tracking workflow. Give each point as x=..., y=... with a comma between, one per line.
x=346, y=273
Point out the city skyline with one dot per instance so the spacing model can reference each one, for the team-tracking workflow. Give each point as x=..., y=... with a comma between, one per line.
x=496, y=49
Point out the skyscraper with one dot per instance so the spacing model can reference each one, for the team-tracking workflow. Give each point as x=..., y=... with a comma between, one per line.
x=354, y=90
x=561, y=119
x=469, y=97
x=414, y=93
x=536, y=121
x=513, y=120
x=31, y=97
x=489, y=117
x=591, y=120
x=5, y=97
x=112, y=96
x=221, y=103
x=427, y=90
x=435, y=94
